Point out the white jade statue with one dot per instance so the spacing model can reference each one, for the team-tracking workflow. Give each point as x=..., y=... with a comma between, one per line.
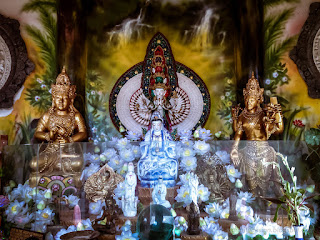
x=159, y=194
x=194, y=183
x=129, y=201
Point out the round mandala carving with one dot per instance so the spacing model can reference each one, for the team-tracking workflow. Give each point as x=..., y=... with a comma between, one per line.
x=15, y=65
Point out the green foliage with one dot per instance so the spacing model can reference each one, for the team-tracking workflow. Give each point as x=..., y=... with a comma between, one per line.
x=269, y=3
x=276, y=46
x=289, y=132
x=97, y=109
x=293, y=199
x=312, y=136
x=227, y=100
x=27, y=131
x=39, y=92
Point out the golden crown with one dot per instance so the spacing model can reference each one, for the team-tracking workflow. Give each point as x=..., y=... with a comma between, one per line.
x=253, y=88
x=159, y=85
x=63, y=85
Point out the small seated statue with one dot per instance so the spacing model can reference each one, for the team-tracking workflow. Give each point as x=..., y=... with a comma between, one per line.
x=61, y=124
x=257, y=124
x=109, y=216
x=158, y=155
x=159, y=194
x=129, y=201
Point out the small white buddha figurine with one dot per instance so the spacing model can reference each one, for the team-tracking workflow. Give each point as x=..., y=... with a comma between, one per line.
x=129, y=201
x=159, y=194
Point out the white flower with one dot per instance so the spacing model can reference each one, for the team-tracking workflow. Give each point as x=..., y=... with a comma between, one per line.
x=220, y=235
x=227, y=94
x=43, y=86
x=17, y=192
x=203, y=193
x=275, y=74
x=246, y=196
x=183, y=195
x=95, y=207
x=136, y=151
x=37, y=98
x=122, y=143
x=45, y=215
x=268, y=92
x=204, y=134
x=87, y=225
x=210, y=227
x=189, y=163
x=39, y=80
x=245, y=212
x=116, y=163
x=187, y=142
x=233, y=173
x=88, y=171
x=284, y=79
x=50, y=91
x=126, y=155
x=110, y=153
x=252, y=231
x=13, y=209
x=187, y=152
x=268, y=81
x=23, y=219
x=201, y=147
x=224, y=213
x=184, y=179
x=213, y=209
x=222, y=97
x=38, y=226
x=254, y=220
x=223, y=156
x=185, y=135
x=72, y=200
x=134, y=136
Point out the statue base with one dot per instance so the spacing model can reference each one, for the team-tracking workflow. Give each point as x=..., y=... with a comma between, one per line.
x=122, y=220
x=201, y=236
x=225, y=223
x=107, y=237
x=145, y=195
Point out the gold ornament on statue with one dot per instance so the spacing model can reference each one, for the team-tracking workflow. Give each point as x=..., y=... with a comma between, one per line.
x=257, y=124
x=100, y=185
x=61, y=124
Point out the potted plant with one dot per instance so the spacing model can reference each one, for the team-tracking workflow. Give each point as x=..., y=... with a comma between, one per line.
x=294, y=199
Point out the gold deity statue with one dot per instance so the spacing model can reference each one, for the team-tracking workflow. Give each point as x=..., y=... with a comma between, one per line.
x=60, y=126
x=257, y=124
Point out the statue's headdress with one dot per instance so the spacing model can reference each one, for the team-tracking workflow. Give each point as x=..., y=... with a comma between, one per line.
x=159, y=76
x=63, y=85
x=253, y=89
x=156, y=116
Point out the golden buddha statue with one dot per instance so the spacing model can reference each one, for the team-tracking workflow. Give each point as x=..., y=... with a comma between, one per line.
x=60, y=126
x=257, y=124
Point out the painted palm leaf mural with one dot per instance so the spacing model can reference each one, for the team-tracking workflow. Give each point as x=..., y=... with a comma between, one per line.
x=276, y=46
x=39, y=91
